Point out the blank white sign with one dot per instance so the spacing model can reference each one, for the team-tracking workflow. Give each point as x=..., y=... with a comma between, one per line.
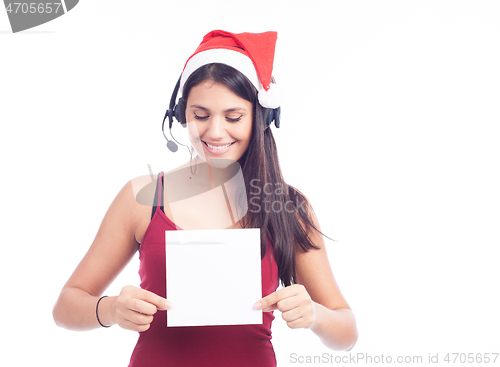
x=213, y=276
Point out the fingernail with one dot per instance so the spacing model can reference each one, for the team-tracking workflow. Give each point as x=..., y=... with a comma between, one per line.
x=258, y=305
x=168, y=305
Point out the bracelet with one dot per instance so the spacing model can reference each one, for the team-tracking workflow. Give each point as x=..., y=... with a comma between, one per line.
x=96, y=314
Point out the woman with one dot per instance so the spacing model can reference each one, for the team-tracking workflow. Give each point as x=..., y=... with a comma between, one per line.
x=227, y=105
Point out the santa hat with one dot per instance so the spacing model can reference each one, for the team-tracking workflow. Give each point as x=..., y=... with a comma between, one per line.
x=250, y=53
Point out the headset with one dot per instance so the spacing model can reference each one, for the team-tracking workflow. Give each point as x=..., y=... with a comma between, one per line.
x=177, y=111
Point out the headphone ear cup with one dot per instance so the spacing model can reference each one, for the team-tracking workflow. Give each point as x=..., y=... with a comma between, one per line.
x=180, y=111
x=277, y=116
x=175, y=112
x=273, y=114
x=269, y=118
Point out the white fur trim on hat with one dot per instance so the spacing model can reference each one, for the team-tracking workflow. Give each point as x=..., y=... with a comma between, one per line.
x=235, y=59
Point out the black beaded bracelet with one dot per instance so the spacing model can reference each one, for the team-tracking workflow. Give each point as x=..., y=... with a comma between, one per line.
x=96, y=314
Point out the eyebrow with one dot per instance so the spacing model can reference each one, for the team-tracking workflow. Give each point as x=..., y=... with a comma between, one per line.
x=234, y=109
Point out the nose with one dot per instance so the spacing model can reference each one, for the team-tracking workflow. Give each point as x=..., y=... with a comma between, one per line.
x=216, y=129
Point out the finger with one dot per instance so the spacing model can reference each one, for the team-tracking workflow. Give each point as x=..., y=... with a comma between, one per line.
x=150, y=297
x=267, y=303
x=285, y=304
x=126, y=324
x=131, y=310
x=291, y=315
x=288, y=303
x=296, y=324
x=270, y=308
x=299, y=317
x=140, y=306
x=273, y=298
x=139, y=319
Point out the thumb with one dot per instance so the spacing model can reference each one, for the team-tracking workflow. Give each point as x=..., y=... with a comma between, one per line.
x=164, y=305
x=160, y=302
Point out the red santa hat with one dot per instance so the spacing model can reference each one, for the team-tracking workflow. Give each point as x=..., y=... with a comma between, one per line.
x=250, y=53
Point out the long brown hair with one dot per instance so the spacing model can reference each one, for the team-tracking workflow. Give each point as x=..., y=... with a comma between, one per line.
x=281, y=212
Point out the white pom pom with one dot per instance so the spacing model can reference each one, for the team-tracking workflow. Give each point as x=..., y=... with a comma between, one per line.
x=270, y=98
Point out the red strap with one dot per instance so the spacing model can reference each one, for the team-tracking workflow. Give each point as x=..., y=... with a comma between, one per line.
x=160, y=189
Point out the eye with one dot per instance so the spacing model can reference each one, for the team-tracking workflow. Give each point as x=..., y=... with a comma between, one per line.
x=235, y=119
x=200, y=117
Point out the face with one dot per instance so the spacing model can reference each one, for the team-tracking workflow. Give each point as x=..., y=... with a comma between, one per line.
x=219, y=122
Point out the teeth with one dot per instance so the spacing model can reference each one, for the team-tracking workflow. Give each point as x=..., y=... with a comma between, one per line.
x=218, y=147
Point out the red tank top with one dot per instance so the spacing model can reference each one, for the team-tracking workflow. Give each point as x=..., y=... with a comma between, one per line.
x=227, y=345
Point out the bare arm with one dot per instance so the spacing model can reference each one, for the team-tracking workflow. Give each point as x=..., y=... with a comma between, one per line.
x=334, y=322
x=113, y=247
x=315, y=302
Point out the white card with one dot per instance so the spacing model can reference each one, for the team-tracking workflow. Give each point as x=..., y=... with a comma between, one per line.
x=213, y=276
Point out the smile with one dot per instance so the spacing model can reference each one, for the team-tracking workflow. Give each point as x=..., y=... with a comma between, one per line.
x=218, y=149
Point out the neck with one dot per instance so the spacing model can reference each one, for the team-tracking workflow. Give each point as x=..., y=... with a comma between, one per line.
x=214, y=172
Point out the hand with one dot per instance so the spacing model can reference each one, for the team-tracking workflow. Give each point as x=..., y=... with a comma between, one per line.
x=295, y=304
x=135, y=308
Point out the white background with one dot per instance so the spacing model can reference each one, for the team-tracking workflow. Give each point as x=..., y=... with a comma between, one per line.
x=390, y=127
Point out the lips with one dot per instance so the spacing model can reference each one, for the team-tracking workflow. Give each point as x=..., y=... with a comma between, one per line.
x=218, y=149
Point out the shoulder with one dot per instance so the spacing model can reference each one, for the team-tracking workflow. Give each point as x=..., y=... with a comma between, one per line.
x=142, y=189
x=133, y=201
x=135, y=197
